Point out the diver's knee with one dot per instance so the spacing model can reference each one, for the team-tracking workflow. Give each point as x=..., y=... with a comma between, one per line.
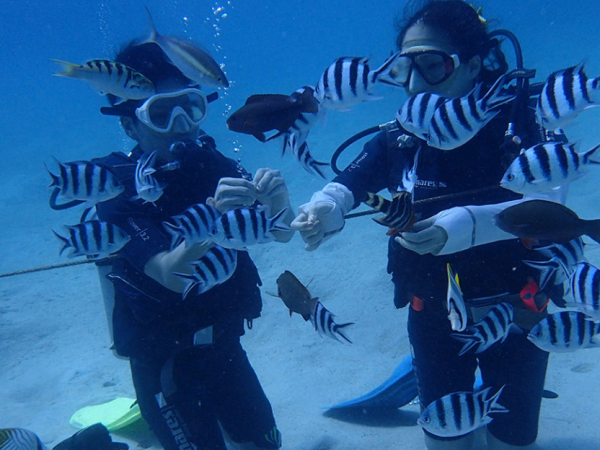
x=494, y=443
x=463, y=443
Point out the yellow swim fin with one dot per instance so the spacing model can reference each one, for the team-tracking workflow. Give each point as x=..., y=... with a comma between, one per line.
x=114, y=415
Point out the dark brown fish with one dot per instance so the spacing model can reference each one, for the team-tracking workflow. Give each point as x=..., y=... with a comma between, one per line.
x=266, y=112
x=545, y=220
x=295, y=295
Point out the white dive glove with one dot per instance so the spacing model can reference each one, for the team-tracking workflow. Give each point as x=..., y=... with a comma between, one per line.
x=323, y=216
x=456, y=229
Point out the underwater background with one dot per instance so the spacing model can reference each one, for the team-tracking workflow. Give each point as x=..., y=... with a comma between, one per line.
x=53, y=337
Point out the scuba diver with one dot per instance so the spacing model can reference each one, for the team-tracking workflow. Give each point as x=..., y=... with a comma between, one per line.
x=180, y=308
x=445, y=50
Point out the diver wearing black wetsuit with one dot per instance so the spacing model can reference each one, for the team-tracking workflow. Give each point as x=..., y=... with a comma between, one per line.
x=486, y=270
x=185, y=385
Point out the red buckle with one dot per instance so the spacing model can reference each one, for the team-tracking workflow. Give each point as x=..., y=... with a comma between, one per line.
x=528, y=294
x=417, y=303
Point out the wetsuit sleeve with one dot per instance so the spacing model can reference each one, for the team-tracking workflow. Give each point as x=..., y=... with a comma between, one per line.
x=369, y=171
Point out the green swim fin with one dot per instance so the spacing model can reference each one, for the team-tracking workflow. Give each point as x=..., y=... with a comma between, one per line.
x=114, y=415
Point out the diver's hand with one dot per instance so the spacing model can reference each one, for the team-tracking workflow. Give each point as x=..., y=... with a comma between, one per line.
x=271, y=189
x=232, y=193
x=272, y=192
x=323, y=216
x=424, y=237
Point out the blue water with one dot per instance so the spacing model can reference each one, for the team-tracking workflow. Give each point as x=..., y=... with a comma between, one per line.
x=267, y=46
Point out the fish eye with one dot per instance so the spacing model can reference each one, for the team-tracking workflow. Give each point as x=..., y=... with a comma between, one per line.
x=510, y=177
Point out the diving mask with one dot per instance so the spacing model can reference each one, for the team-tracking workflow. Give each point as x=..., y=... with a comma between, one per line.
x=435, y=66
x=160, y=111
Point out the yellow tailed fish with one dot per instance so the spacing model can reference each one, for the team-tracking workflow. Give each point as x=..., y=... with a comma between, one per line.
x=193, y=62
x=109, y=77
x=457, y=310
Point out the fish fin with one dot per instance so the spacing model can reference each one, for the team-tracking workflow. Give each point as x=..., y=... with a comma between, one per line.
x=272, y=294
x=66, y=243
x=469, y=341
x=338, y=330
x=153, y=33
x=260, y=136
x=67, y=67
x=276, y=221
x=592, y=229
x=309, y=103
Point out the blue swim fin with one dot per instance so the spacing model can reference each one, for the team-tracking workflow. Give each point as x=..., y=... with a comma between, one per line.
x=395, y=392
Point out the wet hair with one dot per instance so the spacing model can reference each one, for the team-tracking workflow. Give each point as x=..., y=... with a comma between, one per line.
x=458, y=22
x=150, y=61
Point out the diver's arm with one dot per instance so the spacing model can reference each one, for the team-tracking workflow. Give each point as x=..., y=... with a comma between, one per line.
x=163, y=266
x=462, y=227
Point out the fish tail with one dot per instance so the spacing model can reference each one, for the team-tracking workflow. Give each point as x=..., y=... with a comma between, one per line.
x=66, y=243
x=469, y=340
x=309, y=102
x=175, y=233
x=586, y=156
x=494, y=97
x=192, y=283
x=68, y=69
x=338, y=330
x=315, y=166
x=592, y=229
x=277, y=223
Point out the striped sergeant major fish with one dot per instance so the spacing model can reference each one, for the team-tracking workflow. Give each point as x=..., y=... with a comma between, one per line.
x=299, y=300
x=303, y=156
x=85, y=181
x=398, y=212
x=455, y=303
x=585, y=289
x=109, y=77
x=459, y=413
x=93, y=238
x=561, y=263
x=416, y=113
x=494, y=327
x=19, y=439
x=193, y=225
x=565, y=94
x=146, y=185
x=242, y=227
x=458, y=120
x=215, y=267
x=193, y=62
x=565, y=331
x=346, y=82
x=547, y=166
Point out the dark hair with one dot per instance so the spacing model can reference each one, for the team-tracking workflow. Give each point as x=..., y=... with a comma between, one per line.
x=462, y=26
x=150, y=61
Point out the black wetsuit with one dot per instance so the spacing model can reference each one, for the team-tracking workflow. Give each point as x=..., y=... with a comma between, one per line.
x=185, y=390
x=486, y=270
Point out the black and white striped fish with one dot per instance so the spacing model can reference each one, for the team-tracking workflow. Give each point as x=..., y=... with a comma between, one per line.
x=303, y=156
x=494, y=327
x=346, y=82
x=193, y=225
x=19, y=439
x=566, y=93
x=242, y=227
x=93, y=238
x=215, y=267
x=457, y=309
x=85, y=181
x=547, y=166
x=416, y=113
x=146, y=185
x=565, y=331
x=323, y=322
x=460, y=412
x=398, y=213
x=109, y=77
x=585, y=288
x=561, y=263
x=458, y=120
